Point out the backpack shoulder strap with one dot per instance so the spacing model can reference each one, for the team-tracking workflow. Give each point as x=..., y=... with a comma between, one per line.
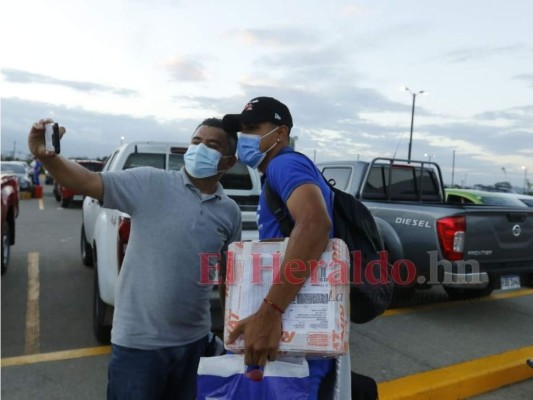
x=278, y=208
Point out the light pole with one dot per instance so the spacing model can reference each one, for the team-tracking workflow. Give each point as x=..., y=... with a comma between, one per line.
x=429, y=156
x=453, y=167
x=412, y=117
x=525, y=179
x=121, y=140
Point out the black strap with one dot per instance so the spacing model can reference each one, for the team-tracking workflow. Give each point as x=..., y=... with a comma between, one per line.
x=277, y=207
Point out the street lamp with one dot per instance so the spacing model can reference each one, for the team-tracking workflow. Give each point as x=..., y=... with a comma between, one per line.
x=429, y=156
x=525, y=179
x=121, y=140
x=412, y=117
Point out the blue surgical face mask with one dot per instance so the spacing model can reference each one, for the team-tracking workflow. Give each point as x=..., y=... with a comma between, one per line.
x=248, y=148
x=202, y=161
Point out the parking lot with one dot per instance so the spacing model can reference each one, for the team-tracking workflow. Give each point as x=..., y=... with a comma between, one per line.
x=424, y=346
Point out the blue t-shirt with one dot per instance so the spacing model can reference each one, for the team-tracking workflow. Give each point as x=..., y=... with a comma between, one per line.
x=284, y=174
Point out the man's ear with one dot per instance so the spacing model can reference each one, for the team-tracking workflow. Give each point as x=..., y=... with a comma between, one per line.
x=283, y=134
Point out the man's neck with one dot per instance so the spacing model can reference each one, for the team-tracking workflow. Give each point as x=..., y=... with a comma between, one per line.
x=270, y=155
x=205, y=186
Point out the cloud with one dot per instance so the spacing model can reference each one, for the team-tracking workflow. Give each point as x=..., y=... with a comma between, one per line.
x=515, y=116
x=528, y=78
x=327, y=128
x=25, y=77
x=279, y=37
x=483, y=52
x=182, y=69
x=89, y=134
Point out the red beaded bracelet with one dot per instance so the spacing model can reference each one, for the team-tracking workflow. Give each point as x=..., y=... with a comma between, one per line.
x=275, y=307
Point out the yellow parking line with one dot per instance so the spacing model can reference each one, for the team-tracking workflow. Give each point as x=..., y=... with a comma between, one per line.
x=55, y=356
x=462, y=380
x=498, y=296
x=41, y=204
x=31, y=342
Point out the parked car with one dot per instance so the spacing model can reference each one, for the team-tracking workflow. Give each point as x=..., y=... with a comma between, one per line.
x=65, y=195
x=10, y=211
x=21, y=171
x=468, y=196
x=469, y=249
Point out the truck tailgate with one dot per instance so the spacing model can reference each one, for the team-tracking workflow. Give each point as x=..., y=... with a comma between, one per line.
x=497, y=235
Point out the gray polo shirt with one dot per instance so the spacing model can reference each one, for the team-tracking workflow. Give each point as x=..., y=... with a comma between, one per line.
x=159, y=299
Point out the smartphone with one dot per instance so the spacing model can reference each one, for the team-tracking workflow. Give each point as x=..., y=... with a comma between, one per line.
x=51, y=137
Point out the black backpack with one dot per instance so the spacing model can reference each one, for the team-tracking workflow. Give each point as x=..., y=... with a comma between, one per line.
x=353, y=223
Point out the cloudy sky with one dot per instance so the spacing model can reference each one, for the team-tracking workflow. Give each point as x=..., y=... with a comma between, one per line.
x=153, y=69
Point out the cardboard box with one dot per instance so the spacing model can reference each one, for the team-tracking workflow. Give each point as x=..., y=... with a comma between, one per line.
x=317, y=321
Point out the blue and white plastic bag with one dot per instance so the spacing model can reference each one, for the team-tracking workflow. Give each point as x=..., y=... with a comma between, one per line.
x=223, y=378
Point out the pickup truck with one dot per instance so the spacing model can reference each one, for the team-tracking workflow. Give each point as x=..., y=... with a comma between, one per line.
x=10, y=211
x=105, y=232
x=469, y=249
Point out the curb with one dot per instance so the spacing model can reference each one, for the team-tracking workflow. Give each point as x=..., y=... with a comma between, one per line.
x=462, y=380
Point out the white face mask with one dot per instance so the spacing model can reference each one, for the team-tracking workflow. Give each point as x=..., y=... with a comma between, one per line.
x=202, y=161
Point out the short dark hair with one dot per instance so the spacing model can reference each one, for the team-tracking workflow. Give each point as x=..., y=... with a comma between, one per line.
x=217, y=123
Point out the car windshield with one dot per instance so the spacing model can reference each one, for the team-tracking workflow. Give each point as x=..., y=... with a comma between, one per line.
x=13, y=168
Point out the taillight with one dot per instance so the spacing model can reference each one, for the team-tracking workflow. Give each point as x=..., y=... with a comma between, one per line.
x=451, y=232
x=124, y=226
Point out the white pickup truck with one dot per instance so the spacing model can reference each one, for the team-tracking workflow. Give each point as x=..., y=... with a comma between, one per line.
x=105, y=232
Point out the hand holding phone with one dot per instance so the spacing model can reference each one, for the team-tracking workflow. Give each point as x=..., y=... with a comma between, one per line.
x=51, y=137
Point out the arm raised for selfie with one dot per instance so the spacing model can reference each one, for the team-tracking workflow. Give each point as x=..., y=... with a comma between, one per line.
x=66, y=172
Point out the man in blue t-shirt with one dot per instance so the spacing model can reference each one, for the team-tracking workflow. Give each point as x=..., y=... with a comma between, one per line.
x=265, y=125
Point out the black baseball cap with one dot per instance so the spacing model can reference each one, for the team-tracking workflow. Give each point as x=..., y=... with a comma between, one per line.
x=260, y=109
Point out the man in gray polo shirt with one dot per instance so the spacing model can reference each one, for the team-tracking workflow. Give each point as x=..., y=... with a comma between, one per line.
x=161, y=318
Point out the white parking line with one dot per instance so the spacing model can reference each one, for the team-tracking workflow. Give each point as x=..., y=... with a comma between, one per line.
x=41, y=204
x=31, y=342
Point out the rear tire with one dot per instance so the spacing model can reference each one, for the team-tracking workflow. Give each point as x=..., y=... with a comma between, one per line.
x=64, y=202
x=85, y=249
x=102, y=313
x=57, y=196
x=6, y=246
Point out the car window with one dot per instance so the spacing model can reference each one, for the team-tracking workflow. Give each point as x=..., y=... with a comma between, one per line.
x=338, y=176
x=452, y=198
x=429, y=183
x=237, y=177
x=402, y=182
x=175, y=162
x=156, y=160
